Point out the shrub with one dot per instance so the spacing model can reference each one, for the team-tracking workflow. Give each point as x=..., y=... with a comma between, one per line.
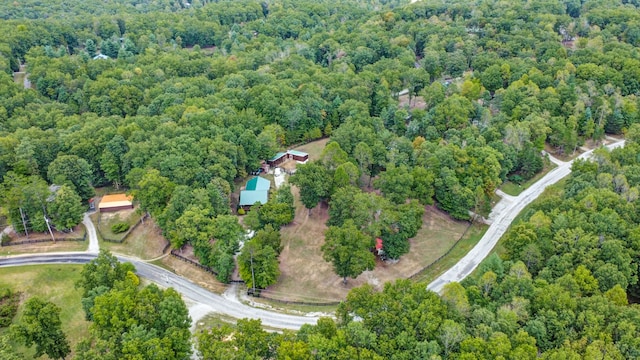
x=4, y=239
x=119, y=227
x=241, y=211
x=8, y=306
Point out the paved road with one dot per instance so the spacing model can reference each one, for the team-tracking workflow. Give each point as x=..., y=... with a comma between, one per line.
x=501, y=217
x=204, y=299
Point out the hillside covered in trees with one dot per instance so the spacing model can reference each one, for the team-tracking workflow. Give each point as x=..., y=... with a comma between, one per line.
x=188, y=97
x=194, y=96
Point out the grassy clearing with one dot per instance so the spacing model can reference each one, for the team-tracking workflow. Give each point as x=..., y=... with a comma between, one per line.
x=60, y=246
x=217, y=320
x=306, y=277
x=470, y=239
x=314, y=148
x=514, y=189
x=105, y=190
x=49, y=246
x=214, y=320
x=107, y=219
x=145, y=242
x=53, y=283
x=295, y=308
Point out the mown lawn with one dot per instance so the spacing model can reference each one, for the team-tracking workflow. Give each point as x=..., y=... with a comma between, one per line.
x=53, y=283
x=145, y=242
x=467, y=243
x=104, y=222
x=307, y=277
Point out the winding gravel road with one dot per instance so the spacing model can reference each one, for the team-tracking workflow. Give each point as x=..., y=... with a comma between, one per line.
x=501, y=217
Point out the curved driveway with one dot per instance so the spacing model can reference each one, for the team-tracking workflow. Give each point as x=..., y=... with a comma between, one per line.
x=501, y=217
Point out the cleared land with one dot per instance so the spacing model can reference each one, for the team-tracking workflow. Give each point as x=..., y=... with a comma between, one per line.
x=144, y=242
x=105, y=220
x=314, y=148
x=53, y=283
x=306, y=277
x=48, y=246
x=197, y=276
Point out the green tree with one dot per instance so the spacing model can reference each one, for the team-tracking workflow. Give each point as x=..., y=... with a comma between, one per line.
x=268, y=236
x=423, y=185
x=258, y=262
x=6, y=351
x=98, y=276
x=65, y=209
x=395, y=183
x=153, y=191
x=90, y=46
x=276, y=214
x=73, y=171
x=40, y=325
x=314, y=183
x=112, y=160
x=347, y=248
x=364, y=157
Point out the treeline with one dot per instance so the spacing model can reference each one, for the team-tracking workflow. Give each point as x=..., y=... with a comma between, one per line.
x=560, y=292
x=492, y=83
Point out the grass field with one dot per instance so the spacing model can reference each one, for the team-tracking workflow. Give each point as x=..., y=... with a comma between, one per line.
x=514, y=189
x=314, y=148
x=53, y=283
x=60, y=246
x=145, y=242
x=49, y=246
x=197, y=276
x=470, y=239
x=104, y=221
x=305, y=276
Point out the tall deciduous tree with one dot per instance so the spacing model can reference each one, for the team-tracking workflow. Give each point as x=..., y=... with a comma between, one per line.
x=347, y=248
x=104, y=270
x=258, y=264
x=41, y=325
x=153, y=191
x=74, y=171
x=314, y=183
x=65, y=209
x=395, y=183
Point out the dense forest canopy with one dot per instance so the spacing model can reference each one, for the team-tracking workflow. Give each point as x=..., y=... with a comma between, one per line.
x=187, y=97
x=183, y=102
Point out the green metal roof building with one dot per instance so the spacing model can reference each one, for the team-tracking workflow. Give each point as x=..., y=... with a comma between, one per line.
x=256, y=190
x=258, y=183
